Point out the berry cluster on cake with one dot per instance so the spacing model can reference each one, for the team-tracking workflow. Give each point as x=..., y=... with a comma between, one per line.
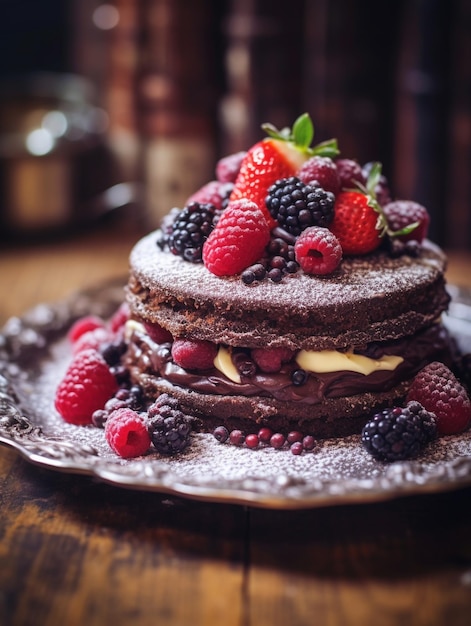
x=290, y=299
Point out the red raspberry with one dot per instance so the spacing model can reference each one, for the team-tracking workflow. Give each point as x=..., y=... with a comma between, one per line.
x=126, y=433
x=84, y=325
x=439, y=391
x=228, y=167
x=350, y=173
x=214, y=192
x=270, y=360
x=194, y=354
x=92, y=340
x=402, y=213
x=157, y=333
x=87, y=384
x=322, y=169
x=119, y=318
x=318, y=251
x=238, y=240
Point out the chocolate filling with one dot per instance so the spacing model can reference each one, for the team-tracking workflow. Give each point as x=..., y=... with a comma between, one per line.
x=429, y=344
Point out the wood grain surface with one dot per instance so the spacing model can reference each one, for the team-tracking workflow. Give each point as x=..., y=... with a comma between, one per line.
x=77, y=552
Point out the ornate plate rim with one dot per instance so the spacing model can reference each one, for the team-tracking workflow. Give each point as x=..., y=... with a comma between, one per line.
x=39, y=327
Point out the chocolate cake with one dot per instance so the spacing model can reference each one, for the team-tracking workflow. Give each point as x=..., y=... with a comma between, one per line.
x=374, y=306
x=302, y=347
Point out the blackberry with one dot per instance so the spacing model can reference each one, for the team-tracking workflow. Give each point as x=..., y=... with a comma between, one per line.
x=112, y=351
x=296, y=205
x=190, y=229
x=169, y=428
x=396, y=434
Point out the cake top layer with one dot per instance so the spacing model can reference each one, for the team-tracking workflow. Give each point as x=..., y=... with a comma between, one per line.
x=358, y=278
x=372, y=297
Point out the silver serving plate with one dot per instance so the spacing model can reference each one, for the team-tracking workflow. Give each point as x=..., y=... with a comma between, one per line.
x=34, y=354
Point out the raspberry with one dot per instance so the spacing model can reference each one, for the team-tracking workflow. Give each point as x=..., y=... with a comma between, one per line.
x=238, y=240
x=190, y=230
x=403, y=213
x=194, y=354
x=350, y=173
x=228, y=167
x=157, y=333
x=396, y=434
x=92, y=340
x=323, y=170
x=440, y=392
x=169, y=428
x=318, y=251
x=215, y=193
x=270, y=360
x=84, y=325
x=120, y=317
x=296, y=206
x=87, y=384
x=126, y=433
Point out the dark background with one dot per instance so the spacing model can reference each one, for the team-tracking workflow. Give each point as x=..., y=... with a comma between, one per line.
x=391, y=80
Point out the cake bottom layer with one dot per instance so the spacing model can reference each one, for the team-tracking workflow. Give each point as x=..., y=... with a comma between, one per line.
x=333, y=417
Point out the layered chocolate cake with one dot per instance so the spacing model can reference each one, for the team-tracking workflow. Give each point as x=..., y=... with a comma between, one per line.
x=291, y=292
x=345, y=344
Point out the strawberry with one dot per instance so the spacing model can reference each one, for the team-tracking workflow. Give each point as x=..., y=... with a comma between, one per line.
x=359, y=222
x=238, y=240
x=280, y=155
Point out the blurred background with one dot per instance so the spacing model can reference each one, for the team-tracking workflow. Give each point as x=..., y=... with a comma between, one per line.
x=123, y=107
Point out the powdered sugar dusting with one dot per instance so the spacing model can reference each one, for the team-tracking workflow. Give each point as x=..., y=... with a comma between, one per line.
x=34, y=356
x=359, y=278
x=338, y=470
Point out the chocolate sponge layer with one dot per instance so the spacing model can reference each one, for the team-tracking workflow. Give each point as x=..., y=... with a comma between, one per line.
x=370, y=298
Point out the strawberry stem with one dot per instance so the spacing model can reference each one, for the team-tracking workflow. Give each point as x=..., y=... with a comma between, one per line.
x=302, y=135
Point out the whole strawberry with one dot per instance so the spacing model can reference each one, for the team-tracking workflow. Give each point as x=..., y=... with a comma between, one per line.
x=278, y=156
x=359, y=223
x=87, y=384
x=238, y=240
x=439, y=391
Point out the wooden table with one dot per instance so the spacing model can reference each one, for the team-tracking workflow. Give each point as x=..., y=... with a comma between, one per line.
x=77, y=552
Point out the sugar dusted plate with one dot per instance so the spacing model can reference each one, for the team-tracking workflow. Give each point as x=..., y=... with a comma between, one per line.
x=34, y=353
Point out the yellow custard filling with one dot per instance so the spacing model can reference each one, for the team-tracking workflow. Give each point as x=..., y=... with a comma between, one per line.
x=320, y=362
x=326, y=361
